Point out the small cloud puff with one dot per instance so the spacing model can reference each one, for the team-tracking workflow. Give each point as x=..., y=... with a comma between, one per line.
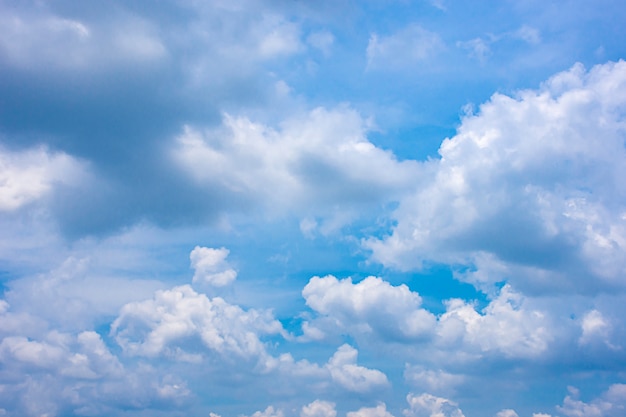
x=379, y=411
x=319, y=408
x=163, y=325
x=211, y=267
x=370, y=306
x=611, y=403
x=345, y=372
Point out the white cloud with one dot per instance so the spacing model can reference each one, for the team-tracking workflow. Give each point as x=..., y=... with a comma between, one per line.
x=402, y=50
x=611, y=403
x=79, y=374
x=427, y=405
x=507, y=325
x=26, y=176
x=74, y=295
x=345, y=372
x=369, y=306
x=161, y=325
x=319, y=408
x=316, y=163
x=211, y=267
x=530, y=187
x=478, y=48
x=379, y=411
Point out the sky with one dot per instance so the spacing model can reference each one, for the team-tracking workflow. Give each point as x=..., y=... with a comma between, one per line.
x=287, y=208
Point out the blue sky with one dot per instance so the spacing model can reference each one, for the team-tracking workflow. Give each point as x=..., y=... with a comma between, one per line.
x=272, y=208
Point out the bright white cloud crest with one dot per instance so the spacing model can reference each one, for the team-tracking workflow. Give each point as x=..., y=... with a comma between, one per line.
x=371, y=305
x=530, y=188
x=211, y=267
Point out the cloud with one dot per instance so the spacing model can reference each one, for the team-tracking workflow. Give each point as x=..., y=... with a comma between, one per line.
x=319, y=408
x=529, y=34
x=403, y=50
x=292, y=168
x=507, y=413
x=611, y=403
x=211, y=267
x=345, y=372
x=161, y=325
x=379, y=411
x=506, y=325
x=370, y=306
x=529, y=190
x=28, y=175
x=427, y=405
x=78, y=374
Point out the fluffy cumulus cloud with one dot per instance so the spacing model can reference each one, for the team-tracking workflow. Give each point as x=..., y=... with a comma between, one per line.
x=370, y=306
x=596, y=329
x=345, y=372
x=507, y=413
x=211, y=267
x=269, y=412
x=427, y=405
x=529, y=190
x=506, y=326
x=76, y=374
x=319, y=408
x=298, y=136
x=160, y=326
x=319, y=160
x=32, y=39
